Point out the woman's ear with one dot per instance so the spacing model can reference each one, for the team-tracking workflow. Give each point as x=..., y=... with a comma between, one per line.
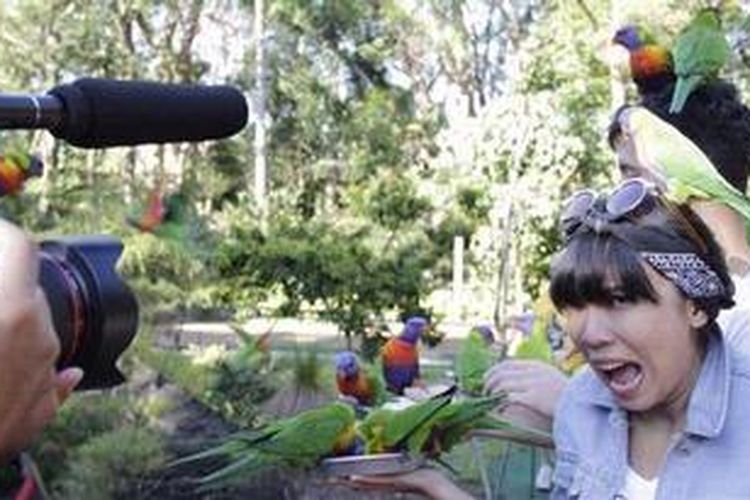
x=698, y=317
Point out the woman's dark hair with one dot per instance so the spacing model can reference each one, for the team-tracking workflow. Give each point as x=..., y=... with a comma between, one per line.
x=714, y=119
x=592, y=262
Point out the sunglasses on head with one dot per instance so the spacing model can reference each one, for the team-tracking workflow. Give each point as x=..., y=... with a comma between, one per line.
x=632, y=198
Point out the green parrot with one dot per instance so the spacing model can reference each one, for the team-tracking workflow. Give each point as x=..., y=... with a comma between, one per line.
x=679, y=167
x=449, y=425
x=699, y=52
x=536, y=345
x=432, y=427
x=300, y=441
x=385, y=430
x=474, y=358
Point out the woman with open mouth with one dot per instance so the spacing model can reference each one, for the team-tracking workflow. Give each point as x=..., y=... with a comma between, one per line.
x=663, y=408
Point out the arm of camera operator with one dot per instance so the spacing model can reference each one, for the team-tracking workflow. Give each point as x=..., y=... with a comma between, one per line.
x=533, y=389
x=31, y=389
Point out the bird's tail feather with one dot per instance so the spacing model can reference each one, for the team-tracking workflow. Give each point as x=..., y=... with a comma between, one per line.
x=682, y=90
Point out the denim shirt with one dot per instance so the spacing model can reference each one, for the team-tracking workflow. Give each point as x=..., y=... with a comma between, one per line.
x=710, y=459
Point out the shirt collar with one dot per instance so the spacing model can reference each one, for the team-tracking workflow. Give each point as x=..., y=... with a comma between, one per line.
x=709, y=401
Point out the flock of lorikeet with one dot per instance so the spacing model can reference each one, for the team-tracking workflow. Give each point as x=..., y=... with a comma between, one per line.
x=362, y=422
x=433, y=425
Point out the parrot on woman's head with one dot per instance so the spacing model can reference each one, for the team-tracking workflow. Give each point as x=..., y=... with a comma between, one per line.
x=300, y=441
x=354, y=380
x=650, y=63
x=659, y=152
x=699, y=53
x=400, y=356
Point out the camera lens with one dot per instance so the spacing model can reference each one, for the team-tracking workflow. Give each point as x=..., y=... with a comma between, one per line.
x=94, y=312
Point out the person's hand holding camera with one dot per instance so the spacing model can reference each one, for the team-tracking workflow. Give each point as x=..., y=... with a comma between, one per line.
x=31, y=389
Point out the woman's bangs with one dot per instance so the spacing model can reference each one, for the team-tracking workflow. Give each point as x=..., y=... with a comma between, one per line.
x=597, y=270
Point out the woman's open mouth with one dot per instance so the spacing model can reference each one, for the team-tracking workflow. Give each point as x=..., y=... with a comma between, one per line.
x=622, y=378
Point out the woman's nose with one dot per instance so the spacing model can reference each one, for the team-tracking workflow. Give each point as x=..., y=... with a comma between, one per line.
x=595, y=329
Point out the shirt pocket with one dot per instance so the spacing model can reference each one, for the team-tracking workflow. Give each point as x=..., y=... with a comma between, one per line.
x=569, y=476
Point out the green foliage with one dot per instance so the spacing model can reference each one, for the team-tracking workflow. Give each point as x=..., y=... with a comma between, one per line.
x=394, y=203
x=81, y=419
x=334, y=269
x=178, y=368
x=102, y=468
x=244, y=380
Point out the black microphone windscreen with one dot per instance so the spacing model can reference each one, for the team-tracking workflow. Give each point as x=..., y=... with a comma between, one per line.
x=99, y=113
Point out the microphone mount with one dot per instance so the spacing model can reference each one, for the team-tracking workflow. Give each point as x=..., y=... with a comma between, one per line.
x=23, y=111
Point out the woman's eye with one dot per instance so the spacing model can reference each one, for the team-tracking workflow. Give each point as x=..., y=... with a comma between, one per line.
x=619, y=299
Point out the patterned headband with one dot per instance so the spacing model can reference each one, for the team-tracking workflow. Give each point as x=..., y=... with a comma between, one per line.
x=688, y=272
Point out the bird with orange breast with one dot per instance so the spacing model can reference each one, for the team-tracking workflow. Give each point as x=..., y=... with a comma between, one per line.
x=357, y=381
x=400, y=356
x=650, y=64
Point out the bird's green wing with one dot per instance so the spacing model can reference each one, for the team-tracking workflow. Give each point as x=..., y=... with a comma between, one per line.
x=374, y=374
x=310, y=435
x=701, y=48
x=372, y=427
x=449, y=425
x=405, y=422
x=474, y=358
x=699, y=53
x=536, y=346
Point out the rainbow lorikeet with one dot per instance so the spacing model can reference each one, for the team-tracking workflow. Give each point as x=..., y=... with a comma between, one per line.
x=699, y=53
x=152, y=215
x=300, y=441
x=650, y=64
x=356, y=381
x=15, y=169
x=400, y=356
x=163, y=216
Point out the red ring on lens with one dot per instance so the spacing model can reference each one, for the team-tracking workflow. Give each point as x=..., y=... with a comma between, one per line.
x=76, y=307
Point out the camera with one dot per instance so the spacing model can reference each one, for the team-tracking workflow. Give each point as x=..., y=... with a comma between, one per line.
x=94, y=312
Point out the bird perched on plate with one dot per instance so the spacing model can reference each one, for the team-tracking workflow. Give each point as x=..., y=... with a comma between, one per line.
x=400, y=356
x=300, y=441
x=674, y=162
x=650, y=63
x=432, y=426
x=699, y=53
x=356, y=381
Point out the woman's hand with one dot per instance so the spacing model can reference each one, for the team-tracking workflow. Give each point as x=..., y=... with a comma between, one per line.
x=426, y=481
x=533, y=389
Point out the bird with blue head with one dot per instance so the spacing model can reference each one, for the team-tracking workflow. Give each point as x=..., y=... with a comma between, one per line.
x=400, y=356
